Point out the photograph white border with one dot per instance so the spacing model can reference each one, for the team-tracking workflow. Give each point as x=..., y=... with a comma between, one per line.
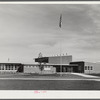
x=55, y=94
x=29, y=94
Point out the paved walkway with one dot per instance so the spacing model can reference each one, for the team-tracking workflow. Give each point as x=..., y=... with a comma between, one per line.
x=84, y=75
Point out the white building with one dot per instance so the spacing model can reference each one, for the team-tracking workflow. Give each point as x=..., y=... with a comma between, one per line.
x=86, y=67
x=91, y=67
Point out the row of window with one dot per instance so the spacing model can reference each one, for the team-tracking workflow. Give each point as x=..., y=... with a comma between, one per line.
x=88, y=68
x=30, y=66
x=8, y=67
x=38, y=66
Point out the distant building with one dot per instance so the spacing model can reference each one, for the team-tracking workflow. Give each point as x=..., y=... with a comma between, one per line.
x=56, y=62
x=11, y=67
x=51, y=65
x=65, y=64
x=85, y=67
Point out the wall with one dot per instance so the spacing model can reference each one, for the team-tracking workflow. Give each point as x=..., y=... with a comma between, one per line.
x=49, y=70
x=57, y=60
x=35, y=69
x=95, y=68
x=31, y=69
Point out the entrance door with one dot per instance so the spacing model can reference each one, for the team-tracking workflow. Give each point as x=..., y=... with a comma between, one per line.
x=64, y=69
x=69, y=69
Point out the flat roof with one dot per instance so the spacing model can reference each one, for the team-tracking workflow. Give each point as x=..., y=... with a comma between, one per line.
x=31, y=64
x=76, y=61
x=10, y=63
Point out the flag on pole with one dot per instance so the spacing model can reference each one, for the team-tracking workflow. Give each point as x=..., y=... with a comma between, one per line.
x=60, y=22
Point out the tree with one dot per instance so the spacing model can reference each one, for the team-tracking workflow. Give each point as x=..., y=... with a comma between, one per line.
x=40, y=61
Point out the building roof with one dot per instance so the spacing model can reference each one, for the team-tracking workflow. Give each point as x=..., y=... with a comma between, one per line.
x=77, y=61
x=11, y=63
x=31, y=64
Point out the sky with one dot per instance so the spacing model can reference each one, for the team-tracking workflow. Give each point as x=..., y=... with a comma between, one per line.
x=28, y=29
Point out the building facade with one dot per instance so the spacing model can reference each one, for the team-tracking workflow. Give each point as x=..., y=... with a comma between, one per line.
x=55, y=59
x=91, y=68
x=65, y=64
x=86, y=67
x=11, y=67
x=51, y=65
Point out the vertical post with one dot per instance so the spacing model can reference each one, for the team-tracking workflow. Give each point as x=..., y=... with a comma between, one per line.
x=61, y=64
x=60, y=56
x=60, y=25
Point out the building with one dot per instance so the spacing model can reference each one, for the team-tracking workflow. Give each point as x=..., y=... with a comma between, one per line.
x=60, y=63
x=86, y=67
x=51, y=65
x=11, y=67
x=55, y=59
x=26, y=68
x=91, y=67
x=65, y=64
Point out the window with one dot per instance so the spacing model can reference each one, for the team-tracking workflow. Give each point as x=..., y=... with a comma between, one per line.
x=91, y=68
x=47, y=66
x=15, y=67
x=88, y=67
x=6, y=67
x=2, y=67
x=85, y=67
x=9, y=67
x=79, y=68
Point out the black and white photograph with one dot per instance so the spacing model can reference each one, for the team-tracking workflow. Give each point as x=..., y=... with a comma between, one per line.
x=49, y=47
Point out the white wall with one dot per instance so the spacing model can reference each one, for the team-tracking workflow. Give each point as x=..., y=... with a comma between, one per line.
x=95, y=67
x=49, y=70
x=36, y=69
x=31, y=69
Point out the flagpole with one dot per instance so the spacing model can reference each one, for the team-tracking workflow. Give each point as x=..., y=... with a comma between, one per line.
x=60, y=24
x=60, y=57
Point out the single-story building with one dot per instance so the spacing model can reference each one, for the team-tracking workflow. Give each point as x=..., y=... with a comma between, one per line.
x=11, y=67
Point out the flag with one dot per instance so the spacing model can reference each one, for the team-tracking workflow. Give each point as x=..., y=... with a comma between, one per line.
x=60, y=22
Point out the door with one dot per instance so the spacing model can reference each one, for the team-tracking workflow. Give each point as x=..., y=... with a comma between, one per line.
x=69, y=69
